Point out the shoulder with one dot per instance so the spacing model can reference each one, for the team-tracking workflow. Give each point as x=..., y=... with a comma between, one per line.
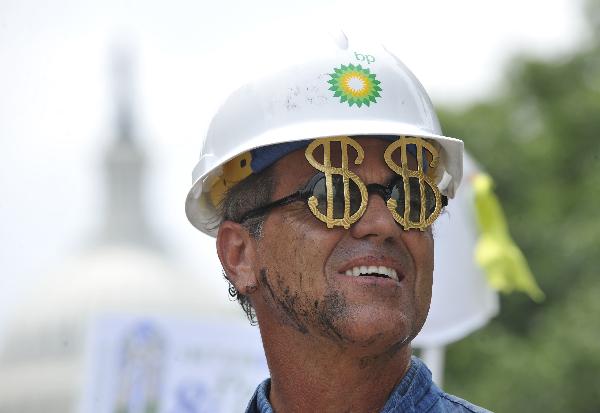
x=259, y=403
x=417, y=393
x=447, y=403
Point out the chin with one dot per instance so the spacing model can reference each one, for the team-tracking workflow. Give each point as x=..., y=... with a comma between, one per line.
x=380, y=331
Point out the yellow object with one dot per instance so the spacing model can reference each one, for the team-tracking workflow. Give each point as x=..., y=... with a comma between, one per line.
x=505, y=266
x=234, y=171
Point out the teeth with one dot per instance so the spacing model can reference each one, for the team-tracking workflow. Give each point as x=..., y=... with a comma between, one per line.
x=373, y=269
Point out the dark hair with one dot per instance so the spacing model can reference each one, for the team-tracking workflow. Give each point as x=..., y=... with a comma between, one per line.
x=253, y=192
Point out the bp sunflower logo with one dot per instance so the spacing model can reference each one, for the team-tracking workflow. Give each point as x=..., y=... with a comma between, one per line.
x=354, y=85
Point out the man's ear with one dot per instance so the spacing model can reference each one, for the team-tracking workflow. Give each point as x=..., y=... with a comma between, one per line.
x=237, y=252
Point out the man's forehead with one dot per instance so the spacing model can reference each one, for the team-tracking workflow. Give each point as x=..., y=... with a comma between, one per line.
x=372, y=144
x=296, y=162
x=372, y=147
x=294, y=170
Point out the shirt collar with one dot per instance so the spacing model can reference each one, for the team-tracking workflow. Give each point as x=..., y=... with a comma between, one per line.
x=413, y=393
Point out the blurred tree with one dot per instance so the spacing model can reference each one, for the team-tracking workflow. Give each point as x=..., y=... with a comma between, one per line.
x=540, y=140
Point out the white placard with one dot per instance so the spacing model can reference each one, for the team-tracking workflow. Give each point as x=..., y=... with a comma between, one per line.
x=169, y=365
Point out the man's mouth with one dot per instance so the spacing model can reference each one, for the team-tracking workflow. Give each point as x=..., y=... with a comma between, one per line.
x=373, y=271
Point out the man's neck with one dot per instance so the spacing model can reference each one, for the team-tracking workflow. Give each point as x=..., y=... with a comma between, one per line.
x=330, y=378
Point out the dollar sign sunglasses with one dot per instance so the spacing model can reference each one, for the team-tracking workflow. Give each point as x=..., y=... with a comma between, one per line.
x=339, y=198
x=315, y=192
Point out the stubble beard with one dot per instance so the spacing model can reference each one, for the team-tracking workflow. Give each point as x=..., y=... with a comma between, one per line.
x=326, y=318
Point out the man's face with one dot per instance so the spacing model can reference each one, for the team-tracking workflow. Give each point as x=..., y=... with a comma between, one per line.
x=302, y=264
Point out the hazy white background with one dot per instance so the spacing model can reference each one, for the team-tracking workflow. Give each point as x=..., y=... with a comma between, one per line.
x=56, y=98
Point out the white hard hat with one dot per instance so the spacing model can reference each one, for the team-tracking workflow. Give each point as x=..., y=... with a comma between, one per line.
x=341, y=89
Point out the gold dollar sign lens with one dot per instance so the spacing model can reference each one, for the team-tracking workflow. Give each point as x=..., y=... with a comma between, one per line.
x=408, y=218
x=329, y=217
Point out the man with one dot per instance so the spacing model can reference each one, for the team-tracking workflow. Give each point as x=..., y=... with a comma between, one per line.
x=321, y=183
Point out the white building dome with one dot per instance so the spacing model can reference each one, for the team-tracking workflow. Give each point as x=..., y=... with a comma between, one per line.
x=119, y=278
x=43, y=357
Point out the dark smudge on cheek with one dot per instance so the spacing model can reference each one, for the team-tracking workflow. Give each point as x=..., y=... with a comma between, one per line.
x=298, y=311
x=287, y=302
x=333, y=308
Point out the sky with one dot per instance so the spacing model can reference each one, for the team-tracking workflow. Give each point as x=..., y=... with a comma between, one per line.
x=56, y=104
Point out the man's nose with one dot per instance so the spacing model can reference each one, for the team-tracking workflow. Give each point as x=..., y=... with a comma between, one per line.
x=376, y=222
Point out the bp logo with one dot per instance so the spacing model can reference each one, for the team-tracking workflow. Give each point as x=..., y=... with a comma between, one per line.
x=354, y=85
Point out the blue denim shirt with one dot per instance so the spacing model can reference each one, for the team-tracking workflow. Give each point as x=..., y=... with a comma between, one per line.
x=416, y=393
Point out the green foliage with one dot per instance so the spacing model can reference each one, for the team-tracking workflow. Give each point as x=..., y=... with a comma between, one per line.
x=540, y=141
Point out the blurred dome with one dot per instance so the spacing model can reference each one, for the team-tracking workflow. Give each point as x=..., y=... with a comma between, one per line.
x=43, y=358
x=115, y=278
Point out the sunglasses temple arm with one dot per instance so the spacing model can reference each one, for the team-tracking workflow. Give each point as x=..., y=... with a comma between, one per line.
x=296, y=196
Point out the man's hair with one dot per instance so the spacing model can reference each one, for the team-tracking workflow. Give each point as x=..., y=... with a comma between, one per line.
x=253, y=192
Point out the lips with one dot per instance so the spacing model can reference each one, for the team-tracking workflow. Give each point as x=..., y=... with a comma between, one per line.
x=373, y=267
x=373, y=271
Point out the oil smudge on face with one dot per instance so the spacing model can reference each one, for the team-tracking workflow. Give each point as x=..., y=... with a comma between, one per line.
x=331, y=309
x=299, y=313
x=287, y=303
